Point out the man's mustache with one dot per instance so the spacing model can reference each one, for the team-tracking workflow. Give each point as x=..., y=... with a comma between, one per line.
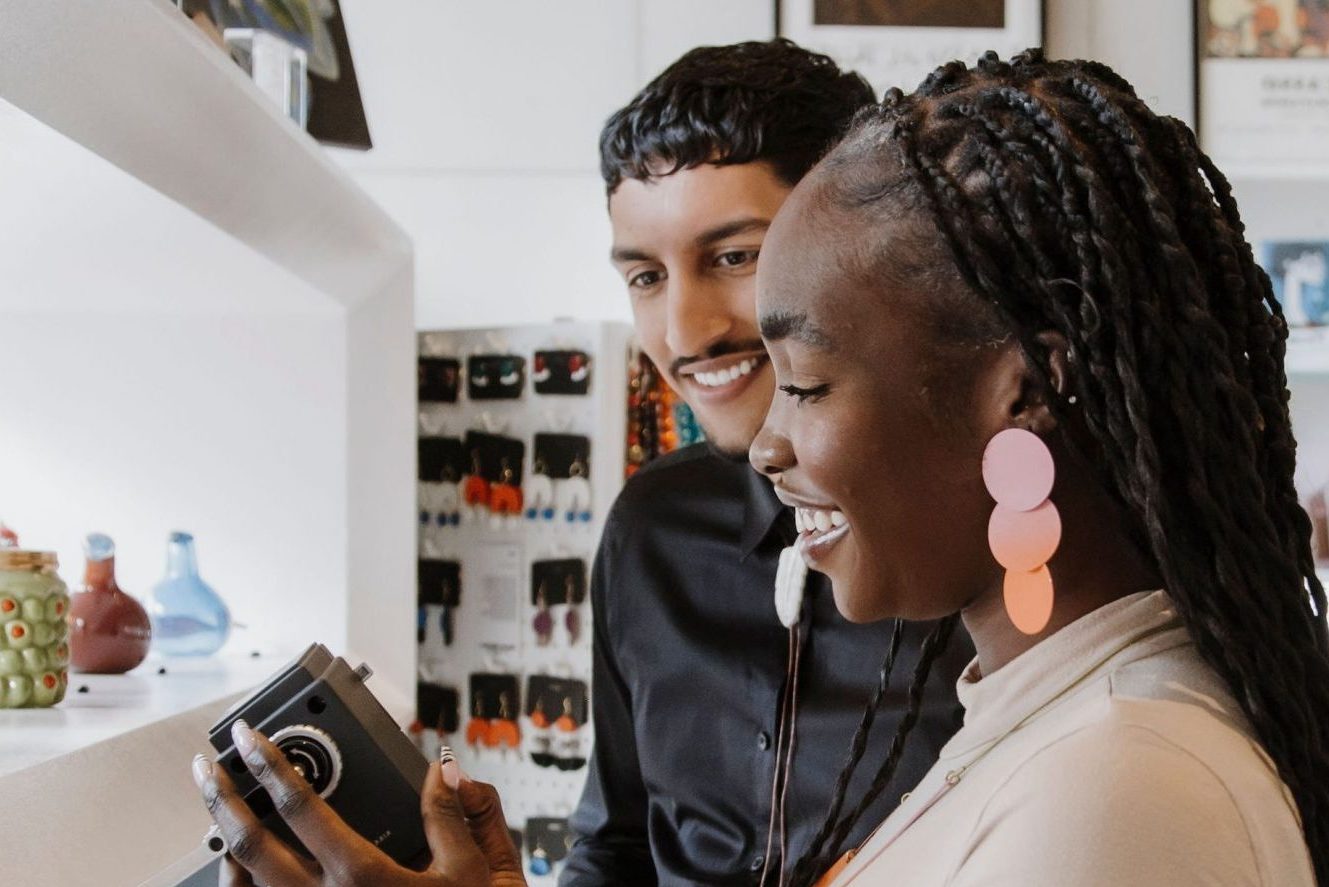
x=720, y=349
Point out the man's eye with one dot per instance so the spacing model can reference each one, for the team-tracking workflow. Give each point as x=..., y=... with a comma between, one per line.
x=737, y=258
x=644, y=279
x=813, y=394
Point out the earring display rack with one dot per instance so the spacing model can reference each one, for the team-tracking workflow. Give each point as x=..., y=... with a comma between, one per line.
x=522, y=453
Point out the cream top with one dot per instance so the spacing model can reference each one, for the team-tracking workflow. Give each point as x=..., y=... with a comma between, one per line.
x=1136, y=768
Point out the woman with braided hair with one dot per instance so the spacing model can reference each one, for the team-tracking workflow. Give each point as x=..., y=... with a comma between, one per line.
x=1030, y=377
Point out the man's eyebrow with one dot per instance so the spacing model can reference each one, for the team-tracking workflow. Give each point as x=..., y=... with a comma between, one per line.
x=709, y=237
x=621, y=254
x=779, y=325
x=724, y=231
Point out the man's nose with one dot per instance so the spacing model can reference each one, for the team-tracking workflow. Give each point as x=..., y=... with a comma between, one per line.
x=698, y=317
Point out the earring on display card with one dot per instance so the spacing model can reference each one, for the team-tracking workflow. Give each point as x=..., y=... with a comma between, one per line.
x=540, y=864
x=539, y=492
x=505, y=496
x=544, y=619
x=575, y=493
x=565, y=723
x=476, y=488
x=447, y=499
x=478, y=727
x=540, y=372
x=579, y=367
x=572, y=619
x=503, y=730
x=445, y=617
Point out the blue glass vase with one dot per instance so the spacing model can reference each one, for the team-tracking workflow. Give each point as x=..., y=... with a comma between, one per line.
x=188, y=617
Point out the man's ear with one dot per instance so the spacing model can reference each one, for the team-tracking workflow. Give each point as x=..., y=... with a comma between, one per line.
x=1019, y=397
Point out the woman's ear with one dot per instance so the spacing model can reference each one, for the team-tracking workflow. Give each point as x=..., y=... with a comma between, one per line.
x=1019, y=396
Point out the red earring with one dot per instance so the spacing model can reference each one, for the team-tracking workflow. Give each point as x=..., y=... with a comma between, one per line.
x=1025, y=529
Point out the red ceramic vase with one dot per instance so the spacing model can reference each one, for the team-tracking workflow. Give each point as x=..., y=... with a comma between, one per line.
x=109, y=630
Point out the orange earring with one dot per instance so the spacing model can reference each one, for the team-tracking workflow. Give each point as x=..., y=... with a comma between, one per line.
x=503, y=730
x=476, y=488
x=477, y=729
x=505, y=496
x=1025, y=529
x=565, y=723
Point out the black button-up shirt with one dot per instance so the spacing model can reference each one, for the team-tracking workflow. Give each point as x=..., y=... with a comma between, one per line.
x=689, y=668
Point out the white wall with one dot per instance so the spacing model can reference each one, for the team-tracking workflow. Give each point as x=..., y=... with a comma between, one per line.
x=485, y=118
x=140, y=353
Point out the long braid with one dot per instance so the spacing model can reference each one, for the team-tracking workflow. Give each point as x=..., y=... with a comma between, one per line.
x=1066, y=204
x=860, y=740
x=826, y=847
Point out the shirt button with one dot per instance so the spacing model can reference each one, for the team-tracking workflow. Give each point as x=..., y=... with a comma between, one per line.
x=757, y=863
x=763, y=741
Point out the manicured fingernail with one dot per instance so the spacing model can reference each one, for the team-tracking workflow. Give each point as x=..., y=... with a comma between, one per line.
x=202, y=770
x=243, y=738
x=451, y=769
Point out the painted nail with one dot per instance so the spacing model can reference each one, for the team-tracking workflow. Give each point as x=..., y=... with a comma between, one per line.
x=452, y=774
x=243, y=738
x=202, y=770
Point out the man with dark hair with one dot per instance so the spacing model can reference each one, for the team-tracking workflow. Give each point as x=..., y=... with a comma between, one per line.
x=719, y=733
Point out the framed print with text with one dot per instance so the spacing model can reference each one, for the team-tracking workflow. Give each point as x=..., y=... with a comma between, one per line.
x=1263, y=83
x=899, y=42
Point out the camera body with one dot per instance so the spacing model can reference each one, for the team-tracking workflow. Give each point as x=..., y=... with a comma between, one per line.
x=319, y=712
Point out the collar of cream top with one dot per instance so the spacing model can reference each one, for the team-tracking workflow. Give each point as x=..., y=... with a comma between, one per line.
x=1126, y=629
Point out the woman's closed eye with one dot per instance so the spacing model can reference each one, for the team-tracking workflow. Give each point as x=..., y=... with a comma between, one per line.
x=803, y=394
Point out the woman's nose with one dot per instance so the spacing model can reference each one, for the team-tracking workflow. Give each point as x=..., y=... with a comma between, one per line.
x=770, y=453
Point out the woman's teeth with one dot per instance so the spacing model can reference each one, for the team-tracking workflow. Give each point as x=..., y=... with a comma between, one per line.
x=725, y=376
x=817, y=520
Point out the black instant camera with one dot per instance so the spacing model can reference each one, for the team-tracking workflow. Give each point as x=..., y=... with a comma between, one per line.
x=319, y=712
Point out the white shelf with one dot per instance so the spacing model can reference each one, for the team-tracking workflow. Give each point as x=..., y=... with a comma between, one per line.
x=195, y=278
x=136, y=82
x=115, y=705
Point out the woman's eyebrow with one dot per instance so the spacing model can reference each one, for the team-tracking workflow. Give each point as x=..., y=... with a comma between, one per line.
x=779, y=325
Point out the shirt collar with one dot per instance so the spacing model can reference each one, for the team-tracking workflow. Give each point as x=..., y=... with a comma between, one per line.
x=1130, y=628
x=763, y=512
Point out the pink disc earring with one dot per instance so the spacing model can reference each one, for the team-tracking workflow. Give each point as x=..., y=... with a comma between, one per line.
x=1025, y=530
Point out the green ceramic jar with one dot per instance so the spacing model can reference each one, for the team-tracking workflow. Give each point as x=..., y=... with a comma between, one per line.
x=34, y=645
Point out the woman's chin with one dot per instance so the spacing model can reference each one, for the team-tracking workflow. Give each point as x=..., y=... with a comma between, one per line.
x=855, y=607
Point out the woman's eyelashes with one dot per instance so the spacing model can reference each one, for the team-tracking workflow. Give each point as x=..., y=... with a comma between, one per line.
x=813, y=394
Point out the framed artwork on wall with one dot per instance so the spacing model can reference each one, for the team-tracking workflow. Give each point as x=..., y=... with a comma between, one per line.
x=336, y=112
x=1263, y=84
x=895, y=43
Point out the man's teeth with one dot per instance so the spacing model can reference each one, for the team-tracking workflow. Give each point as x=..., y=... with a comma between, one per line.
x=817, y=520
x=725, y=376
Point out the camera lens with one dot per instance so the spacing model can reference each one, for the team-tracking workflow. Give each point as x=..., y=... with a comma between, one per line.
x=313, y=754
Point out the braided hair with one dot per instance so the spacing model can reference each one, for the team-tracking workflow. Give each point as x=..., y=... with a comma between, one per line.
x=1067, y=205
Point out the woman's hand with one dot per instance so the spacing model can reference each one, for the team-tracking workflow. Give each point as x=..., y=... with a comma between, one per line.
x=463, y=823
